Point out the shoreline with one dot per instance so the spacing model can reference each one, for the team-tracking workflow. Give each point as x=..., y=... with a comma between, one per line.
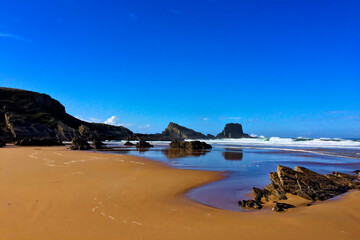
x=51, y=193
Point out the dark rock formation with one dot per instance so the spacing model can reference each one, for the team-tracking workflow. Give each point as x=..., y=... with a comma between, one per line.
x=232, y=130
x=281, y=207
x=175, y=131
x=193, y=145
x=172, y=132
x=38, y=142
x=143, y=144
x=306, y=184
x=260, y=193
x=2, y=143
x=97, y=144
x=250, y=204
x=80, y=144
x=128, y=143
x=26, y=114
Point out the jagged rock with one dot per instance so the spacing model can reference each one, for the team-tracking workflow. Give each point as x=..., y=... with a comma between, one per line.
x=97, y=144
x=232, y=130
x=26, y=114
x=192, y=145
x=80, y=144
x=38, y=142
x=176, y=131
x=128, y=143
x=2, y=143
x=306, y=184
x=260, y=193
x=143, y=144
x=250, y=204
x=281, y=207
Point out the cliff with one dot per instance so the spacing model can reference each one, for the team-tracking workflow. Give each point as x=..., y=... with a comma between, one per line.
x=30, y=114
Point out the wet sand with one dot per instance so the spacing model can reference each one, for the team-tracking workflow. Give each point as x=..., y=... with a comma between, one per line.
x=54, y=193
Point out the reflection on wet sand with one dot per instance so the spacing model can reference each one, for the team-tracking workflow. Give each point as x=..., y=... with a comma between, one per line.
x=233, y=156
x=178, y=153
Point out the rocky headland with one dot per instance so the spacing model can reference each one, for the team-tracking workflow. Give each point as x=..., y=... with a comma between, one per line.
x=36, y=116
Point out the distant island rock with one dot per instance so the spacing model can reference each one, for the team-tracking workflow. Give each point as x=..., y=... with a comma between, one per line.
x=173, y=131
x=31, y=115
x=232, y=130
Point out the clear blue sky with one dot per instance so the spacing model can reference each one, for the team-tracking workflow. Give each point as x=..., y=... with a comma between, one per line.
x=281, y=68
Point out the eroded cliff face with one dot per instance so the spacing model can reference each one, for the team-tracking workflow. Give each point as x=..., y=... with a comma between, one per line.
x=26, y=114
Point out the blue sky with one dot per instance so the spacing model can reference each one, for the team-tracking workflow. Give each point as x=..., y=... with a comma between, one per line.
x=281, y=68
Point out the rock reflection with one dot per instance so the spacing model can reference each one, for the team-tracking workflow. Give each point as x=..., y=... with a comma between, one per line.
x=233, y=156
x=178, y=153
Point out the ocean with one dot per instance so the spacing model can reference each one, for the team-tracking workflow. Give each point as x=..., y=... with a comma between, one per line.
x=246, y=162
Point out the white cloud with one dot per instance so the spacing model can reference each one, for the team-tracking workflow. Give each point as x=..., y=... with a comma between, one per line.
x=145, y=126
x=9, y=35
x=114, y=120
x=235, y=118
x=205, y=119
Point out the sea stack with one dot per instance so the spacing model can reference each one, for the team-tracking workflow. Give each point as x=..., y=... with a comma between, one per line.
x=232, y=130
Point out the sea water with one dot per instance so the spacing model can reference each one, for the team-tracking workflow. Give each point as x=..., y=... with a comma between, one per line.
x=246, y=163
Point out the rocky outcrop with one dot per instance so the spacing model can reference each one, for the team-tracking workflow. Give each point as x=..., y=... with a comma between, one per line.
x=193, y=145
x=80, y=144
x=172, y=132
x=38, y=142
x=26, y=114
x=175, y=131
x=98, y=145
x=128, y=143
x=250, y=204
x=304, y=183
x=232, y=130
x=143, y=144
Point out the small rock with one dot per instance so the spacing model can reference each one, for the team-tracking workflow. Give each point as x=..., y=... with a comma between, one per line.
x=281, y=207
x=98, y=144
x=80, y=144
x=143, y=144
x=250, y=204
x=128, y=143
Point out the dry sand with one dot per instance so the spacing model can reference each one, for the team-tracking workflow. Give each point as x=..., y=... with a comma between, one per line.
x=53, y=193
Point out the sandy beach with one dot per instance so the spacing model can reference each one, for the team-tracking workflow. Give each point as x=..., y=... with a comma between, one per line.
x=55, y=193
